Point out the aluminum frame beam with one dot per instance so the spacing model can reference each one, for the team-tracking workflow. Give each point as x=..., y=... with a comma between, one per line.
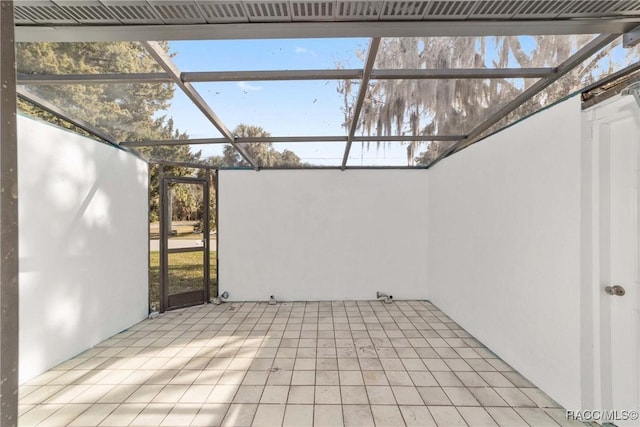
x=417, y=168
x=287, y=30
x=161, y=162
x=461, y=73
x=173, y=142
x=408, y=138
x=356, y=74
x=9, y=260
x=164, y=60
x=49, y=107
x=239, y=76
x=613, y=77
x=631, y=38
x=374, y=44
x=70, y=79
x=282, y=75
x=573, y=61
x=610, y=86
x=292, y=139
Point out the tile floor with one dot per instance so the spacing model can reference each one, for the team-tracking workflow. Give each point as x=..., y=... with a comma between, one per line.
x=292, y=364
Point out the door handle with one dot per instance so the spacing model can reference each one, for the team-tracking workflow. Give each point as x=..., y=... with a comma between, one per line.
x=615, y=290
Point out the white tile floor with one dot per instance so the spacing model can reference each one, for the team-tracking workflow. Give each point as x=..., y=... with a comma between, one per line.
x=292, y=364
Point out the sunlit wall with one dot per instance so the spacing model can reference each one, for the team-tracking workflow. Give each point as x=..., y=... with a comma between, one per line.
x=83, y=243
x=504, y=246
x=322, y=234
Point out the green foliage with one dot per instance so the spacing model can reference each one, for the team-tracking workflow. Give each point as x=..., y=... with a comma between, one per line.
x=187, y=202
x=263, y=153
x=185, y=274
x=132, y=112
x=457, y=106
x=127, y=111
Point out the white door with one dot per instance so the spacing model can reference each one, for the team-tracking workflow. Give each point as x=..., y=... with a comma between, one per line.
x=618, y=125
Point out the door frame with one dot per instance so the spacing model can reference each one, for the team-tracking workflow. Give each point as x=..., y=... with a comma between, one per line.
x=165, y=222
x=595, y=304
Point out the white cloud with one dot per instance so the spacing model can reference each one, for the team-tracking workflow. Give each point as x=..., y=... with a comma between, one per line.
x=248, y=88
x=304, y=51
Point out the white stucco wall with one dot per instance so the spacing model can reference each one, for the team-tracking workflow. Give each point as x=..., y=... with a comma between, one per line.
x=504, y=246
x=83, y=244
x=322, y=234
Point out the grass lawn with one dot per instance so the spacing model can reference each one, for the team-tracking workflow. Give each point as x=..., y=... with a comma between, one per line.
x=185, y=274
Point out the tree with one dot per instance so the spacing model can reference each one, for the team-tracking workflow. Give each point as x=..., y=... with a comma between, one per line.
x=262, y=152
x=187, y=202
x=455, y=107
x=127, y=111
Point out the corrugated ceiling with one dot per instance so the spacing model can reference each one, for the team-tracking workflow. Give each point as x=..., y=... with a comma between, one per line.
x=148, y=20
x=132, y=12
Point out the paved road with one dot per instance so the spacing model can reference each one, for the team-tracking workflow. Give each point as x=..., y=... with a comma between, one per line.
x=154, y=244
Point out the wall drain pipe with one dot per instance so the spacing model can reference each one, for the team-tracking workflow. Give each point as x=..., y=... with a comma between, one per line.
x=388, y=299
x=222, y=298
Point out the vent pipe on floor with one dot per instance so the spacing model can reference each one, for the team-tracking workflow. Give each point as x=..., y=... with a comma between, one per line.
x=223, y=297
x=388, y=299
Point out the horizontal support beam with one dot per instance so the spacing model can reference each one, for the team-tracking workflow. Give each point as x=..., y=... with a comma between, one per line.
x=459, y=73
x=288, y=30
x=240, y=76
x=356, y=74
x=291, y=139
x=282, y=75
x=209, y=167
x=339, y=168
x=408, y=138
x=173, y=142
x=162, y=162
x=240, y=140
x=70, y=79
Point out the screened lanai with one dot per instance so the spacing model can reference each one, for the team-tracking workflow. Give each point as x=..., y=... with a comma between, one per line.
x=560, y=37
x=447, y=152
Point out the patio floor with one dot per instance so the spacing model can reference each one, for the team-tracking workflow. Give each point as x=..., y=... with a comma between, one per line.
x=291, y=364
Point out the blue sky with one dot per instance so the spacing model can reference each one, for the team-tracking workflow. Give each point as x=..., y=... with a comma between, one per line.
x=281, y=108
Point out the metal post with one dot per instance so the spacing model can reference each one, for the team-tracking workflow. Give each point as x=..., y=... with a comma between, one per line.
x=164, y=255
x=205, y=238
x=215, y=177
x=8, y=222
x=364, y=87
x=149, y=284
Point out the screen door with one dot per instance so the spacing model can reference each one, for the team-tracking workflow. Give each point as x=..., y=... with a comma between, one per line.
x=184, y=242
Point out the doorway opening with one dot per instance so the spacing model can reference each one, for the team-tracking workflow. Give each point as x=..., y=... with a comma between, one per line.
x=183, y=243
